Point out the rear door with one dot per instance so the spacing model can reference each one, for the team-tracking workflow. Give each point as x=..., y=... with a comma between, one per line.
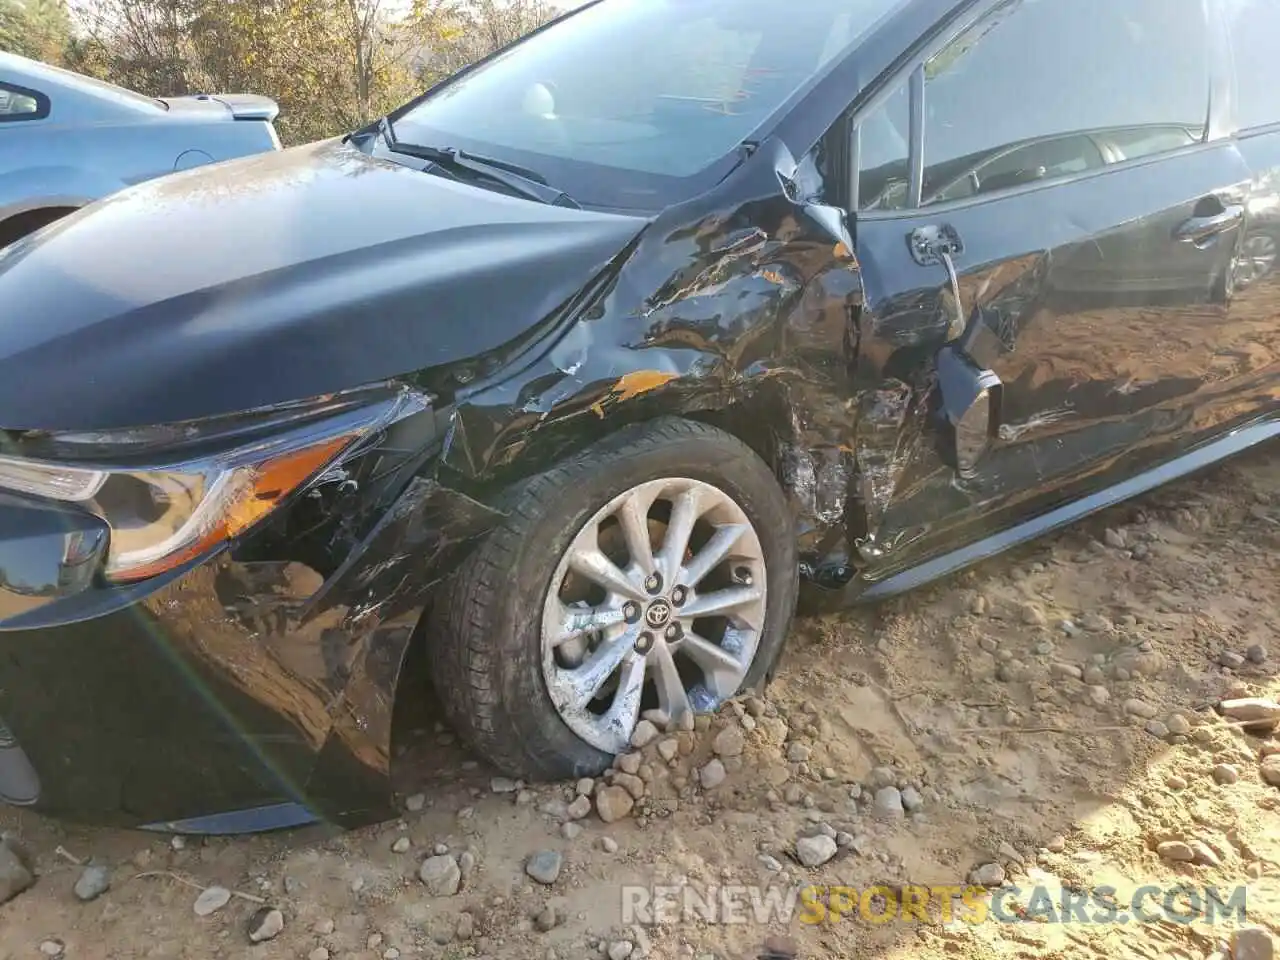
x=1042, y=199
x=1248, y=352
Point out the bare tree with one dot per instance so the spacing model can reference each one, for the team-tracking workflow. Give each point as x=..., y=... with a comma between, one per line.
x=380, y=50
x=456, y=33
x=332, y=65
x=34, y=28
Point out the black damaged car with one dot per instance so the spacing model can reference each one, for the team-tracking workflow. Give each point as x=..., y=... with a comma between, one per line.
x=575, y=372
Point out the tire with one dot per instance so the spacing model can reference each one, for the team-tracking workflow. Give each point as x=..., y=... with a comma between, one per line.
x=488, y=660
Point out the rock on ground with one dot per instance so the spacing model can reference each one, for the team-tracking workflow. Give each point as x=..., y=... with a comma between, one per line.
x=1270, y=769
x=613, y=803
x=1140, y=708
x=211, y=900
x=265, y=924
x=1177, y=850
x=547, y=919
x=94, y=881
x=441, y=875
x=712, y=775
x=14, y=875
x=815, y=851
x=630, y=783
x=1252, y=943
x=544, y=866
x=1256, y=711
x=987, y=875
x=798, y=752
x=466, y=926
x=888, y=803
x=644, y=734
x=1226, y=773
x=729, y=742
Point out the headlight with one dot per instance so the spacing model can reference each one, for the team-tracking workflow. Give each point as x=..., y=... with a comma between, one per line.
x=162, y=516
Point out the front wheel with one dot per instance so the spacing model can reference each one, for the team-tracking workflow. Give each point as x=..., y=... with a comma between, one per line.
x=653, y=575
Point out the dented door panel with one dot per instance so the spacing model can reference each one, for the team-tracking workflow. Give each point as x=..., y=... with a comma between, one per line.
x=1086, y=289
x=1092, y=361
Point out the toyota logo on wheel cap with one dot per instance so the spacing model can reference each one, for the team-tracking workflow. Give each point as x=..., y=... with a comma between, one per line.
x=658, y=613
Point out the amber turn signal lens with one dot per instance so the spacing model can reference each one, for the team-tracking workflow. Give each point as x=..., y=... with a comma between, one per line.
x=234, y=502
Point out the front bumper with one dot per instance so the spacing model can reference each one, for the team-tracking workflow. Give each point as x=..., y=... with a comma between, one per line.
x=229, y=696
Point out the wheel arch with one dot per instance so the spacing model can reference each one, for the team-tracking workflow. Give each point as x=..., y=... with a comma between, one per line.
x=486, y=465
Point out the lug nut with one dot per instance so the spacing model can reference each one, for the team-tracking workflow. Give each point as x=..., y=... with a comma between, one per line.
x=679, y=595
x=674, y=632
x=644, y=643
x=631, y=611
x=653, y=583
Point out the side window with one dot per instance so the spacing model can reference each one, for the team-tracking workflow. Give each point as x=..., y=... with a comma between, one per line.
x=1255, y=25
x=1047, y=88
x=884, y=137
x=1041, y=89
x=19, y=103
x=1040, y=160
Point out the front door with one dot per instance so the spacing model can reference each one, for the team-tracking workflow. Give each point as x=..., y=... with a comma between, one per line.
x=1042, y=193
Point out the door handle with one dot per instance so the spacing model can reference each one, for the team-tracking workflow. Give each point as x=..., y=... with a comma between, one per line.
x=937, y=244
x=1198, y=230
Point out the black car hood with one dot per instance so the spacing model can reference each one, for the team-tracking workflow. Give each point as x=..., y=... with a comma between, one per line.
x=279, y=277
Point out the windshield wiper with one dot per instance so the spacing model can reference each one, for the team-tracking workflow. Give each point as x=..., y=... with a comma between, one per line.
x=525, y=182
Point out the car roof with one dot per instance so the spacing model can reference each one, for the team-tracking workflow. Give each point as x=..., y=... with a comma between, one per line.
x=84, y=92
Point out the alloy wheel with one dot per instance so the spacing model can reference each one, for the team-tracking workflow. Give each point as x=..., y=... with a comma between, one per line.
x=654, y=611
x=1257, y=260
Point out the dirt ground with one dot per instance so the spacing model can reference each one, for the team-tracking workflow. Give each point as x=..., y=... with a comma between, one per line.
x=1048, y=717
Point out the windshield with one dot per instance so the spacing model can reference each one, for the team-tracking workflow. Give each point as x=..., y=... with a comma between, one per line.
x=636, y=97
